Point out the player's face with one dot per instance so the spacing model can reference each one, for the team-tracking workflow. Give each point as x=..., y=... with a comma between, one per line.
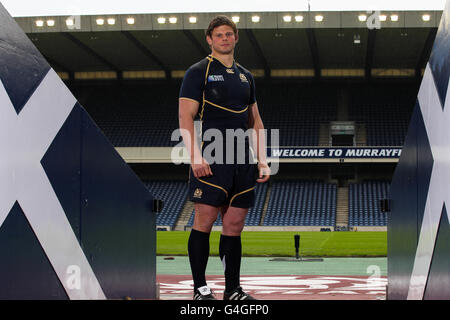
x=222, y=40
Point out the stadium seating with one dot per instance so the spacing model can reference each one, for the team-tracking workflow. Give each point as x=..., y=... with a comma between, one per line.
x=364, y=203
x=301, y=203
x=136, y=116
x=173, y=194
x=291, y=203
x=139, y=116
x=297, y=111
x=254, y=214
x=297, y=123
x=146, y=116
x=386, y=124
x=384, y=111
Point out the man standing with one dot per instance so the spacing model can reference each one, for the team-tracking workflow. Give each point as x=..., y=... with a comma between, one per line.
x=222, y=93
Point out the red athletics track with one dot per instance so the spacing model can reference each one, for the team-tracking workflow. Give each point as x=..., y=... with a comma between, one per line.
x=283, y=287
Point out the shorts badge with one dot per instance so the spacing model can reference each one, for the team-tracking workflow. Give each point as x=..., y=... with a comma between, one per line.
x=198, y=193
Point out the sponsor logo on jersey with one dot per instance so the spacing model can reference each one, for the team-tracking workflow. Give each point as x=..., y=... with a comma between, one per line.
x=230, y=71
x=213, y=78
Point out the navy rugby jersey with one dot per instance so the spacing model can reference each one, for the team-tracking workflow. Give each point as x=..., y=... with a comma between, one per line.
x=224, y=94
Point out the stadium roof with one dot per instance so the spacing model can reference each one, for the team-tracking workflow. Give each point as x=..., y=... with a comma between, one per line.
x=342, y=44
x=89, y=7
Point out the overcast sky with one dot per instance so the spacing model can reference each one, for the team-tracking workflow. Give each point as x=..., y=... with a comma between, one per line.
x=20, y=8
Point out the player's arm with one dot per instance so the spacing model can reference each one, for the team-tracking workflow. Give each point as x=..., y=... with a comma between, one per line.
x=258, y=141
x=187, y=110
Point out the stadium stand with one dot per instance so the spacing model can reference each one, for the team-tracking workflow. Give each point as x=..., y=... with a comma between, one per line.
x=145, y=116
x=173, y=194
x=301, y=203
x=385, y=112
x=138, y=116
x=364, y=203
x=142, y=111
x=296, y=110
x=254, y=214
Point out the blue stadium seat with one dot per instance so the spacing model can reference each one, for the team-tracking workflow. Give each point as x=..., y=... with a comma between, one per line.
x=301, y=203
x=364, y=203
x=145, y=116
x=173, y=194
x=385, y=112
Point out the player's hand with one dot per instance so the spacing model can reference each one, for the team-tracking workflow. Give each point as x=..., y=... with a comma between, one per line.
x=264, y=172
x=201, y=169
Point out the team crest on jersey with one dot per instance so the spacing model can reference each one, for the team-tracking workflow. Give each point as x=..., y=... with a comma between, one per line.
x=213, y=78
x=243, y=78
x=198, y=193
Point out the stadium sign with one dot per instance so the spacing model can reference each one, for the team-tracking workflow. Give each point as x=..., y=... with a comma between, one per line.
x=339, y=153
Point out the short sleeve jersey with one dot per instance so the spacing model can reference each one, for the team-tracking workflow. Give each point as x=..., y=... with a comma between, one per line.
x=224, y=93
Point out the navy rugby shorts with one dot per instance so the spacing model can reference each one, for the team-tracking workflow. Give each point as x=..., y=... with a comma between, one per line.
x=230, y=185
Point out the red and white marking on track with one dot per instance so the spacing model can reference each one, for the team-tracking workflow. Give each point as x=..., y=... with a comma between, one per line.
x=296, y=287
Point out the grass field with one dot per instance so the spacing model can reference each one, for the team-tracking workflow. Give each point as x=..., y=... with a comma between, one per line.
x=281, y=244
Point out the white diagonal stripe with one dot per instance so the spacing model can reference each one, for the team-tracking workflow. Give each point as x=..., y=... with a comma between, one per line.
x=233, y=296
x=25, y=138
x=437, y=122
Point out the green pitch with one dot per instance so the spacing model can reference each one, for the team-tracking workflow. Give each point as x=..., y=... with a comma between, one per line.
x=281, y=244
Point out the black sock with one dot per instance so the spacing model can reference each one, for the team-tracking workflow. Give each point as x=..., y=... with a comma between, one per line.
x=198, y=249
x=230, y=251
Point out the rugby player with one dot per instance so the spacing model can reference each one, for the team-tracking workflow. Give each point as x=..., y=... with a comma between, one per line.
x=222, y=94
